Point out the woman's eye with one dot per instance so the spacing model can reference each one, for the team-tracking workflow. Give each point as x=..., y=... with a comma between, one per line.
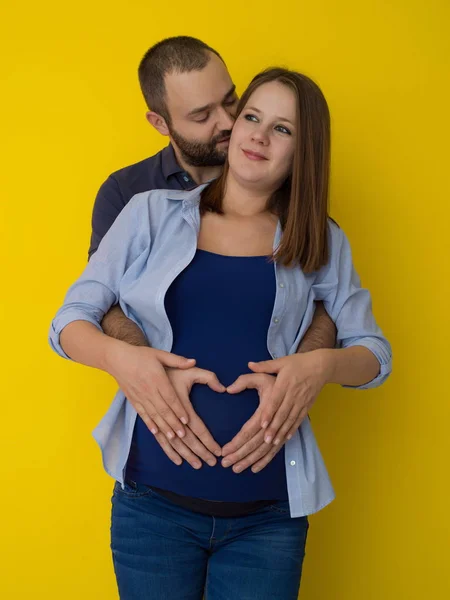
x=250, y=117
x=283, y=129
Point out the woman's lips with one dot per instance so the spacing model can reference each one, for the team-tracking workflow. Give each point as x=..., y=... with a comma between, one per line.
x=253, y=155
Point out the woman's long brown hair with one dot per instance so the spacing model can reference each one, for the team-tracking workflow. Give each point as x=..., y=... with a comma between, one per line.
x=301, y=203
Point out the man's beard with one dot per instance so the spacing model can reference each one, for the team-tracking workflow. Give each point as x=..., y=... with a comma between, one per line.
x=200, y=154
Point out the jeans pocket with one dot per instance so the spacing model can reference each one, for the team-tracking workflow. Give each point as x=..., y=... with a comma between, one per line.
x=131, y=489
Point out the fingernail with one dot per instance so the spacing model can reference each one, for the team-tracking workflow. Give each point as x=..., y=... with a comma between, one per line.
x=268, y=439
x=153, y=431
x=237, y=469
x=255, y=469
x=218, y=452
x=178, y=463
x=170, y=435
x=289, y=436
x=276, y=442
x=180, y=433
x=265, y=424
x=184, y=420
x=226, y=463
x=197, y=465
x=211, y=462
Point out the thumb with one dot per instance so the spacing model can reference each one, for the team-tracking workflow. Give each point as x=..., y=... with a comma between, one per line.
x=266, y=366
x=243, y=382
x=174, y=360
x=210, y=379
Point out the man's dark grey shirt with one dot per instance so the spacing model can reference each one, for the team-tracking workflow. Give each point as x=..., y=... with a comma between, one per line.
x=160, y=171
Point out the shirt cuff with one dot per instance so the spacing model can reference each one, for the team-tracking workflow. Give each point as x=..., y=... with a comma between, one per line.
x=382, y=351
x=62, y=321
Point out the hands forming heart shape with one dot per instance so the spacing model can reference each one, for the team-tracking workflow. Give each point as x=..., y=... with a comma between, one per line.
x=158, y=383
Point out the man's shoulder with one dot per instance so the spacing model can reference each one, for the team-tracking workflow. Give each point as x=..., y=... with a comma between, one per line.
x=141, y=176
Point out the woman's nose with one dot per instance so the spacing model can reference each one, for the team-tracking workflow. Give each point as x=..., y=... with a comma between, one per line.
x=260, y=137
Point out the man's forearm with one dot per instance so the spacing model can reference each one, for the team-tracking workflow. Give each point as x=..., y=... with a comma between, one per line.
x=321, y=333
x=116, y=325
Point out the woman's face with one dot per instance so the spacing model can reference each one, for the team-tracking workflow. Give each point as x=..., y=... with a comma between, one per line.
x=264, y=136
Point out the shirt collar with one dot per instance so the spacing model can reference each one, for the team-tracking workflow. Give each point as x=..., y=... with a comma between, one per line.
x=169, y=162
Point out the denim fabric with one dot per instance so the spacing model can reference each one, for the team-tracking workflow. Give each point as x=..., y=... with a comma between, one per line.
x=164, y=552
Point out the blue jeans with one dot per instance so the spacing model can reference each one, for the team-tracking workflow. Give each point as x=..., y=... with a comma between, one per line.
x=162, y=551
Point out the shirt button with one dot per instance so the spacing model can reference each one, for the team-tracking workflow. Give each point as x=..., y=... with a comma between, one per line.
x=276, y=320
x=292, y=463
x=281, y=285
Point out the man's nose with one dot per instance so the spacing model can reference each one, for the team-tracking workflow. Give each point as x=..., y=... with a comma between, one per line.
x=226, y=121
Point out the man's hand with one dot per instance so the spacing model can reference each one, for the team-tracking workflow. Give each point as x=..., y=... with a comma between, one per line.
x=141, y=375
x=198, y=442
x=247, y=448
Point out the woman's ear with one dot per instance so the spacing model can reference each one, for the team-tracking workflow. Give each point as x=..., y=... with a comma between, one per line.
x=158, y=122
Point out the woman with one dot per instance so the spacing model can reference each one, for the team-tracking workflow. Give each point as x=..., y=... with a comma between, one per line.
x=228, y=273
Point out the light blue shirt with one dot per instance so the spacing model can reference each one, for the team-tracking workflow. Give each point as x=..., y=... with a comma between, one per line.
x=150, y=243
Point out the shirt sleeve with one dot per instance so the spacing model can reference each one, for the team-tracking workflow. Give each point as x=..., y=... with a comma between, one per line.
x=350, y=305
x=108, y=204
x=124, y=248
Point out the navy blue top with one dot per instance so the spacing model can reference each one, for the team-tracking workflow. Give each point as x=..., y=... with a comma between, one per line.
x=219, y=308
x=160, y=171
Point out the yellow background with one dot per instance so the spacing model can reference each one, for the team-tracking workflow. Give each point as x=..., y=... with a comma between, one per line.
x=71, y=114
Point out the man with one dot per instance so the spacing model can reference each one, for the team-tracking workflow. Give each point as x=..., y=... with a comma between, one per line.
x=192, y=100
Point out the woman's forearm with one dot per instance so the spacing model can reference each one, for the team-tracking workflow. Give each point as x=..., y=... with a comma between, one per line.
x=352, y=366
x=85, y=344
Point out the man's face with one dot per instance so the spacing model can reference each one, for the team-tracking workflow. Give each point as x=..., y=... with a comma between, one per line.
x=201, y=105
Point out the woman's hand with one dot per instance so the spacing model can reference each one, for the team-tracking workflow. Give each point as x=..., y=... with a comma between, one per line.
x=300, y=378
x=198, y=442
x=141, y=375
x=284, y=404
x=247, y=448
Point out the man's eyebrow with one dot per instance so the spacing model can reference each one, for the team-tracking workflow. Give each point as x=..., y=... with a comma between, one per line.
x=254, y=109
x=201, y=109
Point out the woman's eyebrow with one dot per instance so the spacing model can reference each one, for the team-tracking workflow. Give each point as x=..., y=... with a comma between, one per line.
x=254, y=109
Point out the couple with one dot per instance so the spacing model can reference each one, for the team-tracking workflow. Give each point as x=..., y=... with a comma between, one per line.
x=208, y=438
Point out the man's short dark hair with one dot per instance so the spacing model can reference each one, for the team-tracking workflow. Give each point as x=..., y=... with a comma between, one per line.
x=176, y=54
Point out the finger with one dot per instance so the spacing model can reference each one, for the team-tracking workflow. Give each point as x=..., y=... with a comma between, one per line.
x=272, y=404
x=149, y=422
x=200, y=430
x=186, y=453
x=210, y=379
x=298, y=422
x=168, y=450
x=195, y=445
x=263, y=462
x=281, y=435
x=266, y=366
x=166, y=401
x=174, y=360
x=139, y=408
x=279, y=420
x=248, y=431
x=256, y=442
x=260, y=452
x=244, y=382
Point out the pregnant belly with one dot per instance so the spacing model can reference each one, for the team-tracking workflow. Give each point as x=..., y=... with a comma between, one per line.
x=223, y=414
